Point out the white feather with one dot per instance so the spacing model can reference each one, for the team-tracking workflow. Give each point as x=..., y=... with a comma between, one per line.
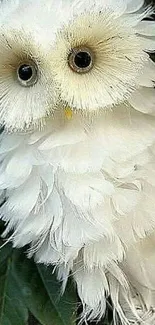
x=78, y=150
x=133, y=6
x=146, y=28
x=143, y=100
x=81, y=192
x=147, y=76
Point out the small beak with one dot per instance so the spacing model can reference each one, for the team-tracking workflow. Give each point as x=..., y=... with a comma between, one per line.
x=68, y=113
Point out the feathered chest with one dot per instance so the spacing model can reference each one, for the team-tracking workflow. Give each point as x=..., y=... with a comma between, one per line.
x=79, y=181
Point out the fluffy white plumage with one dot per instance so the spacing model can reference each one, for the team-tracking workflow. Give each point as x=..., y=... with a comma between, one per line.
x=78, y=149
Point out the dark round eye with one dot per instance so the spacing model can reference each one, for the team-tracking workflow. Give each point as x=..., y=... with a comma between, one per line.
x=27, y=74
x=81, y=60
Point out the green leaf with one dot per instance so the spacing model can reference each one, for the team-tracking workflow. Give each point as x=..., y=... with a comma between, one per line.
x=26, y=287
x=66, y=305
x=12, y=305
x=5, y=252
x=39, y=294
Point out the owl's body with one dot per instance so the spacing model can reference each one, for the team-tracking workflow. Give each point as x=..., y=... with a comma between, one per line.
x=78, y=148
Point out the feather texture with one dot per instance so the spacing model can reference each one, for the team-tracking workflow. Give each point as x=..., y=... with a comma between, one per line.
x=78, y=149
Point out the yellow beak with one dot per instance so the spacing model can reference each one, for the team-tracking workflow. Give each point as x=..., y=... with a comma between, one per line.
x=68, y=113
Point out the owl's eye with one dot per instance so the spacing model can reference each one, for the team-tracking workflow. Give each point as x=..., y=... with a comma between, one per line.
x=81, y=60
x=27, y=74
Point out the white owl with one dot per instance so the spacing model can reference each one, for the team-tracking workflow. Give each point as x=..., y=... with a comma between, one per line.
x=77, y=152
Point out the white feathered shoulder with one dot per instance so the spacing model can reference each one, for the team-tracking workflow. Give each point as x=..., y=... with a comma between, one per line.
x=77, y=102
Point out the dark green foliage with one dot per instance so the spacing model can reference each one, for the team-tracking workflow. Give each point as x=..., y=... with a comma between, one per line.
x=28, y=289
x=30, y=293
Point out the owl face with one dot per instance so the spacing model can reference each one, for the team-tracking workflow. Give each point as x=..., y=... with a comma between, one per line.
x=72, y=57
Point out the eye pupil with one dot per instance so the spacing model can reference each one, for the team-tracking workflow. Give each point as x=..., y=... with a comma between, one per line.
x=82, y=60
x=25, y=72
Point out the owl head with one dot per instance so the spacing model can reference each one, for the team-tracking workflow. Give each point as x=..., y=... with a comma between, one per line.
x=71, y=56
